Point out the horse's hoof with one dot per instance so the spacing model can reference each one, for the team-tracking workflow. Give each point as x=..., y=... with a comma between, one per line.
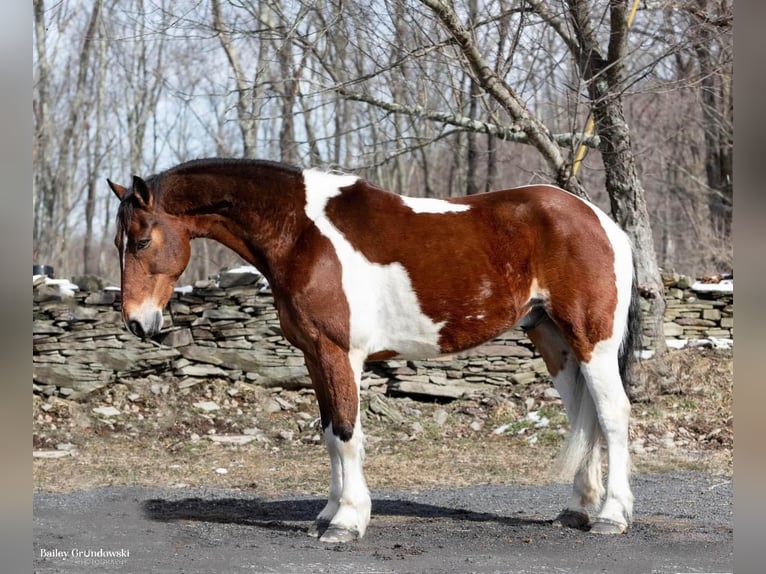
x=319, y=526
x=572, y=519
x=608, y=526
x=335, y=534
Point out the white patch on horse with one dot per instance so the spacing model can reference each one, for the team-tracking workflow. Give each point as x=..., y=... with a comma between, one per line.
x=603, y=379
x=385, y=313
x=433, y=205
x=124, y=252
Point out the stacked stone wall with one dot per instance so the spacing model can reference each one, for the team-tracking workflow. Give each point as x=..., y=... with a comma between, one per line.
x=230, y=330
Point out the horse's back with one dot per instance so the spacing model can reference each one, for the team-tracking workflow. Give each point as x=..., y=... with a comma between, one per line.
x=475, y=263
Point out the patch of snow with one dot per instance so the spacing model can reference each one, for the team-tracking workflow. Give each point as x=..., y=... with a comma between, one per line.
x=502, y=428
x=106, y=411
x=243, y=269
x=724, y=286
x=712, y=342
x=676, y=343
x=184, y=289
x=66, y=287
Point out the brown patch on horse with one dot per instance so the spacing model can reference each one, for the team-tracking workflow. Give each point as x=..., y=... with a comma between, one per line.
x=315, y=317
x=382, y=356
x=551, y=236
x=550, y=343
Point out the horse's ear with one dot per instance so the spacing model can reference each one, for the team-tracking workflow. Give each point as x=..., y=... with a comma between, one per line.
x=142, y=191
x=118, y=190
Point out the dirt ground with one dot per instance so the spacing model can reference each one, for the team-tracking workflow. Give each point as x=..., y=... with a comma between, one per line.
x=681, y=420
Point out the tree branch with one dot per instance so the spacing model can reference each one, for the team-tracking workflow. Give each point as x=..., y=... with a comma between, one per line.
x=506, y=133
x=559, y=26
x=536, y=132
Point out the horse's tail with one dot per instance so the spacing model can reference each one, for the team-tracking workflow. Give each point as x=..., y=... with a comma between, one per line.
x=584, y=430
x=631, y=340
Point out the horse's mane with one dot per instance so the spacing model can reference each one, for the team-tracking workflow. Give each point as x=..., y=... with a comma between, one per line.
x=214, y=164
x=205, y=165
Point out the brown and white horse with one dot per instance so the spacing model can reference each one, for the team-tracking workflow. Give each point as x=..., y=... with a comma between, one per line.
x=362, y=274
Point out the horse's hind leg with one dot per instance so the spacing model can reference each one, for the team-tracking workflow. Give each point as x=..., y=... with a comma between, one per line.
x=581, y=454
x=604, y=383
x=336, y=380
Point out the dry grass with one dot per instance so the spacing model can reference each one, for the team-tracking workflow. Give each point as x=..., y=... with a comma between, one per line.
x=684, y=420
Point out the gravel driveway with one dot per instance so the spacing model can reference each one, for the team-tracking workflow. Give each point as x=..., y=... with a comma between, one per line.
x=683, y=523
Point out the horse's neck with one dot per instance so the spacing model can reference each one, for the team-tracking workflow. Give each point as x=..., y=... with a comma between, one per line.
x=255, y=217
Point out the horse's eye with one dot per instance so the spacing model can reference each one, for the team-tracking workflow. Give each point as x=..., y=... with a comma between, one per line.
x=142, y=244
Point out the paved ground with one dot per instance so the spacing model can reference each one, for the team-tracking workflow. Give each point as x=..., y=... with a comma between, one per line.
x=683, y=523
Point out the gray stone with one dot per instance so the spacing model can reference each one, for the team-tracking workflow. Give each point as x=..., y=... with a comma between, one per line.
x=79, y=378
x=179, y=337
x=81, y=313
x=272, y=406
x=101, y=298
x=672, y=330
x=107, y=411
x=201, y=371
x=118, y=359
x=523, y=378
x=440, y=417
x=206, y=406
x=224, y=314
x=199, y=354
x=428, y=389
x=45, y=328
x=234, y=439
x=385, y=408
x=228, y=279
x=51, y=453
x=494, y=350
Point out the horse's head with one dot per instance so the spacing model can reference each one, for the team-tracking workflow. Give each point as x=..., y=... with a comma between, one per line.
x=154, y=250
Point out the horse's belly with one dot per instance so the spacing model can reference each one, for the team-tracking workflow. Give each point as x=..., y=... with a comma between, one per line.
x=385, y=315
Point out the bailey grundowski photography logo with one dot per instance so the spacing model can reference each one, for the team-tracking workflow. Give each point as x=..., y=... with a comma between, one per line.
x=87, y=556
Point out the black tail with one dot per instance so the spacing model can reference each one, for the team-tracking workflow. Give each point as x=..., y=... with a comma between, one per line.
x=631, y=342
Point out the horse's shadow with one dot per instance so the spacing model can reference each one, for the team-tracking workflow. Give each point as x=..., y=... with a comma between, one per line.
x=286, y=515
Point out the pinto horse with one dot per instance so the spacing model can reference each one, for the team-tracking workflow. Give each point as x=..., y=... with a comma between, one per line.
x=360, y=274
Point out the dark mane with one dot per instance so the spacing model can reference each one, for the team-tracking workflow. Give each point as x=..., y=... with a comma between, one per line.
x=214, y=164
x=203, y=165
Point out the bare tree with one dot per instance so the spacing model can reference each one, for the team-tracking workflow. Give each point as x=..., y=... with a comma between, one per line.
x=57, y=161
x=426, y=97
x=245, y=87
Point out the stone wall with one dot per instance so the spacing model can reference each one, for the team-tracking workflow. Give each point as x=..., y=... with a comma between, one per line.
x=230, y=330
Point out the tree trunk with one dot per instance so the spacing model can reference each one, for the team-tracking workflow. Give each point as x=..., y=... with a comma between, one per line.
x=605, y=79
x=245, y=117
x=717, y=121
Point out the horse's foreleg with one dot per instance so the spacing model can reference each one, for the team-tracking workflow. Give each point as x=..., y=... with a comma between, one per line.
x=336, y=375
x=336, y=476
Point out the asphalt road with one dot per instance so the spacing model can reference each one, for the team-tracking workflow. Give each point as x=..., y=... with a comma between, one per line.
x=683, y=522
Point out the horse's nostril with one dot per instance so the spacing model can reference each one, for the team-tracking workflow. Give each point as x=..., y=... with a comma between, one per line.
x=136, y=328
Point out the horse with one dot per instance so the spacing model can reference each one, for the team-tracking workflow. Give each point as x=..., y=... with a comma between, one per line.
x=359, y=273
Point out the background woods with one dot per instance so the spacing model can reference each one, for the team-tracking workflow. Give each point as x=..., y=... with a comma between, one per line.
x=425, y=97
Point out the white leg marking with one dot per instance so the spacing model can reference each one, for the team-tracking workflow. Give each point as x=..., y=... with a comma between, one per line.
x=352, y=514
x=603, y=378
x=336, y=478
x=385, y=313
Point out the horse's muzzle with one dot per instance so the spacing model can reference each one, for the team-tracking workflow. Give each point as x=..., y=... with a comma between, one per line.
x=146, y=326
